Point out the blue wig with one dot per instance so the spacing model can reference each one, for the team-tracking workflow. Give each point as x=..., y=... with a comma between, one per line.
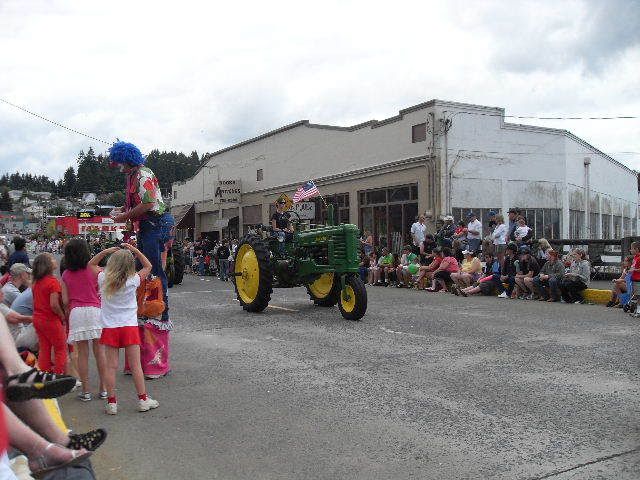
x=127, y=153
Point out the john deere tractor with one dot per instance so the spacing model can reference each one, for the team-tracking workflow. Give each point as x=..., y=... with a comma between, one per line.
x=323, y=259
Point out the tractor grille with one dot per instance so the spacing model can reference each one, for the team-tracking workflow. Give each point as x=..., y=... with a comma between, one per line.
x=339, y=247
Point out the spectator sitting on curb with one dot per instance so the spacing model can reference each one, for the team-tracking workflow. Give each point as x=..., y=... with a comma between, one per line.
x=528, y=268
x=577, y=278
x=402, y=271
x=490, y=282
x=469, y=272
x=442, y=274
x=425, y=272
x=620, y=283
x=546, y=284
x=508, y=271
x=373, y=269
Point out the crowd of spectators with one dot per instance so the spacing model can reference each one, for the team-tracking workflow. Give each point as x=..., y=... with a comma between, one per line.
x=507, y=262
x=210, y=257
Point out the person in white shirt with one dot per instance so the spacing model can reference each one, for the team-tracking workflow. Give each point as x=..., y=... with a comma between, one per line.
x=474, y=232
x=119, y=316
x=499, y=237
x=20, y=277
x=522, y=230
x=418, y=232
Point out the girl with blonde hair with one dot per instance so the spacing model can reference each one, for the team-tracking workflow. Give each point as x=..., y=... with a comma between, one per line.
x=119, y=315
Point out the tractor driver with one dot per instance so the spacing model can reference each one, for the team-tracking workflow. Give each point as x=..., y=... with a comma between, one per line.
x=281, y=226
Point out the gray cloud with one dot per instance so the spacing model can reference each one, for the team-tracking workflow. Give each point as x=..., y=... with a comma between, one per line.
x=552, y=37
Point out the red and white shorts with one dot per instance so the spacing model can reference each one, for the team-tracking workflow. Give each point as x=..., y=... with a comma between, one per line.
x=120, y=337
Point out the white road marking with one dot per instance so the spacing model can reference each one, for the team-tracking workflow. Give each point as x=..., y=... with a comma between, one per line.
x=282, y=308
x=402, y=333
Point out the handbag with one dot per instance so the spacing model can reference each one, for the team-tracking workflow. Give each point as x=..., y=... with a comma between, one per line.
x=150, y=297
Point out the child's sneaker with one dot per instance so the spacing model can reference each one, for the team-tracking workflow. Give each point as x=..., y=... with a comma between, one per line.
x=148, y=404
x=85, y=396
x=111, y=409
x=104, y=395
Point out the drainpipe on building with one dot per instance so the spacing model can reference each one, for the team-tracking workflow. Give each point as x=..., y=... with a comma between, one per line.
x=587, y=215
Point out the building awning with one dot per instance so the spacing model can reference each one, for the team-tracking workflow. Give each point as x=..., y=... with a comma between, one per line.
x=185, y=216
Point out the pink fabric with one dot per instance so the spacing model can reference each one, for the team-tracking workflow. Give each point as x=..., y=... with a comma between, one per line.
x=154, y=350
x=82, y=288
x=452, y=264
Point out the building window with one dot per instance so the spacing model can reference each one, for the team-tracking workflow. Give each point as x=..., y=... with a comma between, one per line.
x=259, y=175
x=388, y=214
x=419, y=133
x=593, y=225
x=175, y=194
x=627, y=227
x=576, y=224
x=606, y=226
x=340, y=202
x=617, y=227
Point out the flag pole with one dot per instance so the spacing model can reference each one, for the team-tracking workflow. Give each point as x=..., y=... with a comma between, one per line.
x=320, y=195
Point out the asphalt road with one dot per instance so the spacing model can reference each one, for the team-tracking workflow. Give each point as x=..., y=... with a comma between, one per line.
x=425, y=386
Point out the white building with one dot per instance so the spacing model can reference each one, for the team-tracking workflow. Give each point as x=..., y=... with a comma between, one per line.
x=436, y=158
x=15, y=194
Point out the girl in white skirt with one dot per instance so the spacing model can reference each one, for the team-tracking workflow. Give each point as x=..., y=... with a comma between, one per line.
x=82, y=303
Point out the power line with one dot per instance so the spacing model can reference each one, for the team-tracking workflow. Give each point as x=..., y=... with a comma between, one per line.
x=534, y=117
x=57, y=124
x=524, y=117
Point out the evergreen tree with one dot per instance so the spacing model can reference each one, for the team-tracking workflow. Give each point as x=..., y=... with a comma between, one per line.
x=69, y=183
x=5, y=200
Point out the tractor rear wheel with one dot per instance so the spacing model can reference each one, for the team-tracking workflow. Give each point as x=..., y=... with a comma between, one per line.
x=353, y=299
x=253, y=277
x=325, y=290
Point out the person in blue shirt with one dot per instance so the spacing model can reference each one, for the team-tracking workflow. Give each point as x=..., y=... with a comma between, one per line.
x=20, y=255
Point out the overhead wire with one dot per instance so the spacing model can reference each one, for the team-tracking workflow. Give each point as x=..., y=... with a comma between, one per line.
x=528, y=117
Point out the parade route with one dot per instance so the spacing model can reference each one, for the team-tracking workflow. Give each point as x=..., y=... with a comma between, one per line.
x=425, y=386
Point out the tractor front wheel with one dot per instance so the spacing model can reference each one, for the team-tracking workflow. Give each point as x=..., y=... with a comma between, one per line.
x=253, y=277
x=353, y=299
x=325, y=290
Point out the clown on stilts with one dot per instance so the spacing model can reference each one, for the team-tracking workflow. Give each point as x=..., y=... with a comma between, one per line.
x=154, y=226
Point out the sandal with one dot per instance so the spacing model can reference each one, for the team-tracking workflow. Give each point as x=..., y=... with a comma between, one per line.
x=77, y=457
x=89, y=441
x=37, y=384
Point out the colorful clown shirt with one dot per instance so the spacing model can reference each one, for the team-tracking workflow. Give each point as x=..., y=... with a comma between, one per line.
x=143, y=187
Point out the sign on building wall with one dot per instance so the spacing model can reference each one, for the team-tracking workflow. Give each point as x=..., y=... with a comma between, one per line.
x=227, y=191
x=306, y=210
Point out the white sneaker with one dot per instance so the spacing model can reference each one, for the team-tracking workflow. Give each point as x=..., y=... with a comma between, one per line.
x=148, y=404
x=503, y=295
x=111, y=409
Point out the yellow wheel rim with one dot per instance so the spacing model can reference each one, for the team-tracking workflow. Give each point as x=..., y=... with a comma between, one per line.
x=321, y=288
x=350, y=304
x=249, y=279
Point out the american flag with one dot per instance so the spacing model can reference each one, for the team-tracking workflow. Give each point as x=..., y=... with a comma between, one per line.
x=307, y=190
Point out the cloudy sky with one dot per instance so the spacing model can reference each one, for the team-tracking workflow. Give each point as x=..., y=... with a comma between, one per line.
x=203, y=75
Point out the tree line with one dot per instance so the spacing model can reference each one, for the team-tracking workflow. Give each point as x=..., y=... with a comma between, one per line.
x=93, y=174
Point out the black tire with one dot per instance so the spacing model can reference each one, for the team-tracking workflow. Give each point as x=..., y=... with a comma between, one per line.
x=178, y=263
x=328, y=300
x=356, y=306
x=258, y=300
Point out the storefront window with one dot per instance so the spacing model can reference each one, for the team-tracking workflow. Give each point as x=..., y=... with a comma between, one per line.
x=389, y=213
x=340, y=204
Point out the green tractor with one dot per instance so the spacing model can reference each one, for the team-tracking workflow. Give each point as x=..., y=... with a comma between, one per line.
x=324, y=259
